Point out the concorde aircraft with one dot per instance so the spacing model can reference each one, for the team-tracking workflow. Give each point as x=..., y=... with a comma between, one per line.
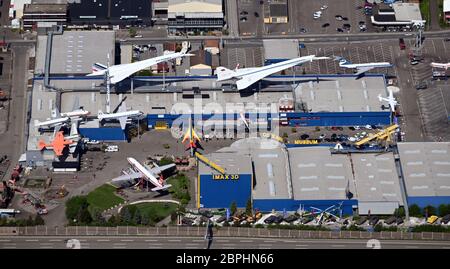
x=140, y=171
x=119, y=72
x=245, y=77
x=360, y=68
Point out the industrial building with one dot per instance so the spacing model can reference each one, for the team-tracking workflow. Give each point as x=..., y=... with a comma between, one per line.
x=276, y=12
x=426, y=172
x=108, y=13
x=43, y=15
x=401, y=14
x=289, y=178
x=195, y=16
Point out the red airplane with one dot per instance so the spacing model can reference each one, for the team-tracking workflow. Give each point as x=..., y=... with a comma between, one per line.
x=191, y=136
x=58, y=144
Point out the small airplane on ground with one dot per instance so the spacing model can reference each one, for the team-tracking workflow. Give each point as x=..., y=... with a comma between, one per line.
x=122, y=115
x=360, y=68
x=390, y=99
x=245, y=77
x=58, y=144
x=441, y=65
x=140, y=171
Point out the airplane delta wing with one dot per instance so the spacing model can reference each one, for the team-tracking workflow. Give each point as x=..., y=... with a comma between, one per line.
x=362, y=70
x=247, y=76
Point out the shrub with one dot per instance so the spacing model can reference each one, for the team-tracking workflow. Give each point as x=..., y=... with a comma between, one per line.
x=444, y=209
x=429, y=210
x=415, y=211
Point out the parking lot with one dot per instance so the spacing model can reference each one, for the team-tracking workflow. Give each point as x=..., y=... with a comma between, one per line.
x=246, y=56
x=301, y=16
x=362, y=52
x=251, y=19
x=5, y=86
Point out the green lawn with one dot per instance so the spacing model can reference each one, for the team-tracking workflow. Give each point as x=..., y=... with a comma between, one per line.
x=103, y=197
x=180, y=188
x=156, y=211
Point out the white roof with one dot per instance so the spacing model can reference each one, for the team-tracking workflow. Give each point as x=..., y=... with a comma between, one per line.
x=407, y=11
x=446, y=5
x=195, y=7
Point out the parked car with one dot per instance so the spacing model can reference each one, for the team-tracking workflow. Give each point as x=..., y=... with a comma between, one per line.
x=414, y=62
x=339, y=30
x=361, y=221
x=421, y=86
x=325, y=25
x=112, y=148
x=270, y=219
x=244, y=12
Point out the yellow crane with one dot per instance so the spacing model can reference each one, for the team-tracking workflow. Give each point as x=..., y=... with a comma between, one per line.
x=210, y=163
x=382, y=135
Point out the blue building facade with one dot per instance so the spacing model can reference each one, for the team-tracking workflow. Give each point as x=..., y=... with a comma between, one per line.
x=219, y=191
x=104, y=134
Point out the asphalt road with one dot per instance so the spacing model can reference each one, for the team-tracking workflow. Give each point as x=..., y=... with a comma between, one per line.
x=12, y=141
x=125, y=242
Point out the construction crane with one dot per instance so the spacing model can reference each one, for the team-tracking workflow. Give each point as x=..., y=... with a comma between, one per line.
x=210, y=163
x=382, y=135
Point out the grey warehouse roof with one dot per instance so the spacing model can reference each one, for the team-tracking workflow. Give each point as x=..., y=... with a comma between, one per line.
x=426, y=168
x=74, y=52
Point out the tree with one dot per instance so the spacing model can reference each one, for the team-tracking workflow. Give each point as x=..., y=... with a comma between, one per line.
x=125, y=215
x=30, y=221
x=98, y=217
x=84, y=216
x=399, y=212
x=112, y=220
x=414, y=211
x=430, y=210
x=233, y=208
x=145, y=219
x=444, y=209
x=75, y=206
x=137, y=218
x=38, y=220
x=248, y=207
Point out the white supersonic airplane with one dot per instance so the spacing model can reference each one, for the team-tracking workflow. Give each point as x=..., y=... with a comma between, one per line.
x=245, y=77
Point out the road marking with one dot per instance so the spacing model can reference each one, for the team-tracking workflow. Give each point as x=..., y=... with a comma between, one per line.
x=51, y=244
x=6, y=247
x=223, y=241
x=174, y=240
x=31, y=240
x=301, y=245
x=192, y=244
x=300, y=248
x=191, y=247
x=120, y=244
x=151, y=240
x=246, y=241
x=55, y=240
x=289, y=241
x=265, y=245
x=121, y=247
x=155, y=244
x=102, y=240
x=154, y=247
x=230, y=244
x=46, y=247
x=127, y=240
x=5, y=240
x=337, y=246
x=411, y=247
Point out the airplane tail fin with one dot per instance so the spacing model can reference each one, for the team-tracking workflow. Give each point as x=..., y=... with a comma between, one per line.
x=342, y=60
x=36, y=123
x=224, y=73
x=98, y=67
x=380, y=98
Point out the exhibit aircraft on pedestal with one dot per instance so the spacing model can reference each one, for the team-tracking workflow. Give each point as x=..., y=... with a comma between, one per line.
x=360, y=68
x=245, y=77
